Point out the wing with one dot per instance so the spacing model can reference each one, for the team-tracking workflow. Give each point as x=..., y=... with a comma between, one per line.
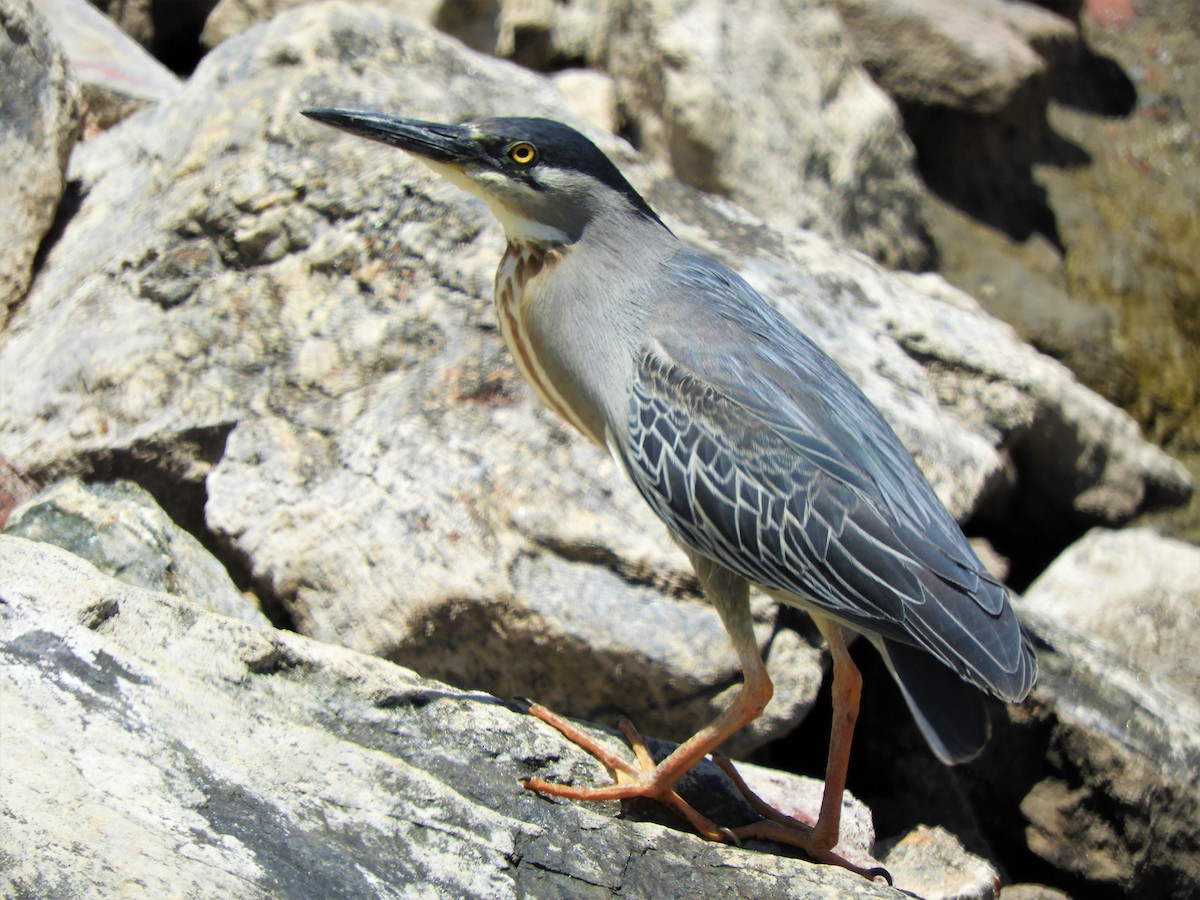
x=761, y=454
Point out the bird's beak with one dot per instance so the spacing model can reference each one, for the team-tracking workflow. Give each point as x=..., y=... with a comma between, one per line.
x=446, y=144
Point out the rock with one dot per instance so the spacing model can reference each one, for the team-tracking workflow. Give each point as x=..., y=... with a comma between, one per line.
x=116, y=74
x=800, y=798
x=1136, y=591
x=591, y=96
x=38, y=125
x=1119, y=802
x=974, y=56
x=120, y=529
x=932, y=864
x=763, y=104
x=294, y=330
x=1031, y=892
x=231, y=17
x=134, y=17
x=200, y=756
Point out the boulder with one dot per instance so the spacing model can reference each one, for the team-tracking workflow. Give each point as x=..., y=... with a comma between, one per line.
x=198, y=755
x=764, y=103
x=38, y=125
x=120, y=529
x=973, y=56
x=1117, y=802
x=1136, y=591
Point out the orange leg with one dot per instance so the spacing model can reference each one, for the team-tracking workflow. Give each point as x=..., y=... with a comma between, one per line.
x=817, y=840
x=730, y=596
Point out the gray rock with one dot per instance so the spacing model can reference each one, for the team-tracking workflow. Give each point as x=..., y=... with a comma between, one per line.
x=1136, y=591
x=970, y=56
x=1118, y=800
x=121, y=530
x=1031, y=892
x=932, y=864
x=116, y=74
x=203, y=756
x=38, y=125
x=230, y=18
x=300, y=325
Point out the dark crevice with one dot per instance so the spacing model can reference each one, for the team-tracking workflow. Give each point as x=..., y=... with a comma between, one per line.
x=69, y=204
x=1096, y=84
x=162, y=469
x=177, y=30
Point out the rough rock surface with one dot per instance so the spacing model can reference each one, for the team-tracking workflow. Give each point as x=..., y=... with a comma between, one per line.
x=203, y=756
x=931, y=863
x=972, y=56
x=294, y=330
x=122, y=531
x=117, y=76
x=39, y=120
x=1134, y=590
x=1119, y=805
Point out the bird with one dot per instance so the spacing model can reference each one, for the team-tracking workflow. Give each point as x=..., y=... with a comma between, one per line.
x=766, y=462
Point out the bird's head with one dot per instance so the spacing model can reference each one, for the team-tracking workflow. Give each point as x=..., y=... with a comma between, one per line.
x=543, y=180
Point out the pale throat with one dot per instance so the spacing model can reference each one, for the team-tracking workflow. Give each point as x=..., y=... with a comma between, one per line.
x=518, y=229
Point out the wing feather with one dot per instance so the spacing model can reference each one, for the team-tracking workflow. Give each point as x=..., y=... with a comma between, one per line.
x=761, y=454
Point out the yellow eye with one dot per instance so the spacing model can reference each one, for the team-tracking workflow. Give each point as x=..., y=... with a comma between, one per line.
x=522, y=153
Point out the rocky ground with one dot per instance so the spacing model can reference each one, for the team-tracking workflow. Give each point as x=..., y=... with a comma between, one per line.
x=254, y=393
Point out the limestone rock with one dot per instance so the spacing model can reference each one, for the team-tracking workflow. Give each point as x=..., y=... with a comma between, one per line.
x=297, y=327
x=1119, y=801
x=231, y=17
x=116, y=74
x=38, y=125
x=203, y=756
x=931, y=863
x=1134, y=590
x=974, y=55
x=120, y=529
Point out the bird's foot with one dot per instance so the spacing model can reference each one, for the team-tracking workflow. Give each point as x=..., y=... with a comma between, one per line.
x=646, y=780
x=643, y=780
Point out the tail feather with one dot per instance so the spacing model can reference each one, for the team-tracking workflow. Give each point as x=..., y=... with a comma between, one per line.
x=951, y=713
